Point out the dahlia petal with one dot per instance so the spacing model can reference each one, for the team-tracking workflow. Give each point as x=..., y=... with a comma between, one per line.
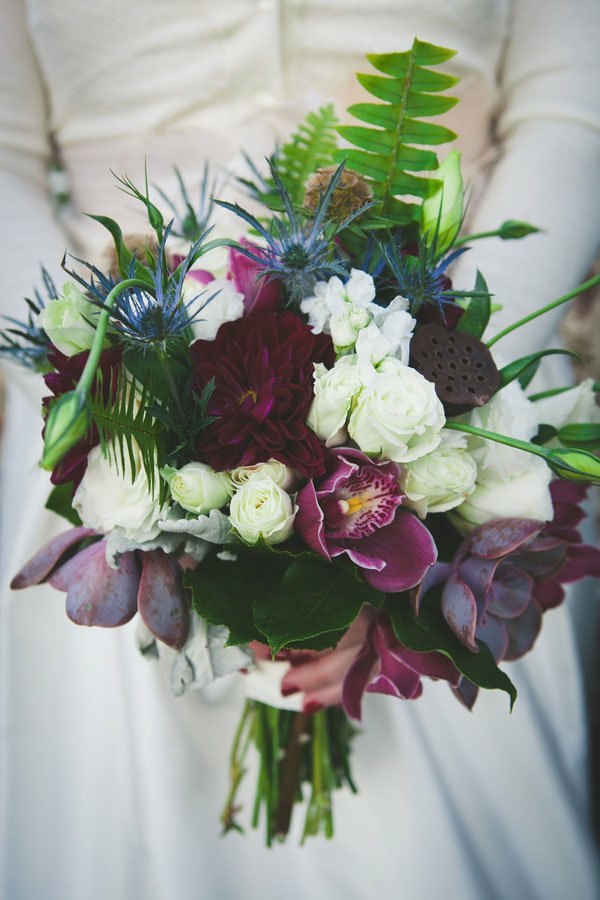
x=162, y=601
x=501, y=536
x=45, y=560
x=523, y=631
x=460, y=611
x=408, y=550
x=102, y=596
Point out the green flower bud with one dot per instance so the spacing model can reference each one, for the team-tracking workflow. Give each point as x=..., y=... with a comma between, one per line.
x=513, y=230
x=66, y=425
x=442, y=210
x=575, y=465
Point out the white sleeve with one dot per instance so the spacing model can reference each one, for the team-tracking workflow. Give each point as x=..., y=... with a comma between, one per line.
x=548, y=171
x=29, y=234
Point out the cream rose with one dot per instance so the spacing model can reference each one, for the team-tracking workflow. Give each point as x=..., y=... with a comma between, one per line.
x=334, y=392
x=262, y=510
x=397, y=415
x=439, y=481
x=66, y=321
x=198, y=488
x=107, y=498
x=526, y=496
x=273, y=469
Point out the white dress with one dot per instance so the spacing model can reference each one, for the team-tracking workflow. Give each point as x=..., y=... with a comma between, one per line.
x=109, y=787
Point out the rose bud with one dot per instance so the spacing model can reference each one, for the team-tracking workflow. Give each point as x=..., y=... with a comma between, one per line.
x=197, y=487
x=262, y=510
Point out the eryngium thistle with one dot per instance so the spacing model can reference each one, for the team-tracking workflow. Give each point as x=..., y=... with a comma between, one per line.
x=350, y=194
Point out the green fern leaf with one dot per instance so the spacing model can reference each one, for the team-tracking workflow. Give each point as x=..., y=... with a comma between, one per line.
x=129, y=434
x=386, y=154
x=309, y=148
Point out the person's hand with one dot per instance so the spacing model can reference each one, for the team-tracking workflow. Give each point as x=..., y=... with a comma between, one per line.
x=320, y=675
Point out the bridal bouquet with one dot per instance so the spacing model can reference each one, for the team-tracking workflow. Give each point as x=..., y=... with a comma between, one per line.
x=310, y=442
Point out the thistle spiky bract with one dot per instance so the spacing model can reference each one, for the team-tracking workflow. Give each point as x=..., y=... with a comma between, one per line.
x=24, y=341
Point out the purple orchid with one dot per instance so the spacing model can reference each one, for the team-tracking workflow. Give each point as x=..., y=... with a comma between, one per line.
x=261, y=294
x=385, y=666
x=507, y=573
x=354, y=509
x=148, y=583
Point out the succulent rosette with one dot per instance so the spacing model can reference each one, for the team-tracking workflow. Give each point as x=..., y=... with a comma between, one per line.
x=299, y=443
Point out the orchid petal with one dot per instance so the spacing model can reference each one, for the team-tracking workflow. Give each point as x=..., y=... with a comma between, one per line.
x=408, y=550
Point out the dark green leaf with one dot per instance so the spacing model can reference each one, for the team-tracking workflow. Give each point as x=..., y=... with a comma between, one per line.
x=580, y=433
x=525, y=368
x=60, y=502
x=545, y=433
x=475, y=318
x=429, y=631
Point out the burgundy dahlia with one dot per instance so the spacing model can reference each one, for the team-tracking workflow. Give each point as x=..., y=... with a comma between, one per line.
x=66, y=374
x=262, y=366
x=355, y=509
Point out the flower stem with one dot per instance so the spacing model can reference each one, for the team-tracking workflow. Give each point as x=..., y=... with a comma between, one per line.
x=590, y=283
x=87, y=376
x=475, y=237
x=527, y=446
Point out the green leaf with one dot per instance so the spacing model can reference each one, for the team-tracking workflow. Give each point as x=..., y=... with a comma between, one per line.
x=60, y=502
x=409, y=90
x=525, y=368
x=545, y=433
x=312, y=598
x=124, y=256
x=477, y=314
x=580, y=433
x=223, y=592
x=429, y=631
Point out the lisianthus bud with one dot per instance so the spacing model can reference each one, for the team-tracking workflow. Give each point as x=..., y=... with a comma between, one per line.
x=66, y=424
x=575, y=465
x=334, y=391
x=439, y=481
x=66, y=321
x=197, y=487
x=442, y=210
x=262, y=510
x=273, y=469
x=397, y=415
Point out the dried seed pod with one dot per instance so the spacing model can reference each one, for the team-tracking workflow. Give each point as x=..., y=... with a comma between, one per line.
x=351, y=192
x=461, y=367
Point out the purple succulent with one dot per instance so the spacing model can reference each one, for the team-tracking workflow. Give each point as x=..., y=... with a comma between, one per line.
x=354, y=508
x=506, y=573
x=148, y=583
x=385, y=666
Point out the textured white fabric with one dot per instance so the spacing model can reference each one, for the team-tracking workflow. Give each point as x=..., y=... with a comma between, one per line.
x=110, y=787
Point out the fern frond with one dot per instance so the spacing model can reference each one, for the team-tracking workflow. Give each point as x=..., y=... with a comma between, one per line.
x=309, y=148
x=129, y=434
x=390, y=153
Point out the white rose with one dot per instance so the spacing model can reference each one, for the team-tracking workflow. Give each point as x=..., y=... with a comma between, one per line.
x=335, y=390
x=509, y=412
x=262, y=510
x=66, y=321
x=198, y=488
x=575, y=405
x=212, y=305
x=439, y=481
x=273, y=469
x=107, y=499
x=526, y=496
x=397, y=415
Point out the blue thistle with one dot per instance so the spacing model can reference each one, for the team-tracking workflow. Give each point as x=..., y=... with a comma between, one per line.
x=300, y=249
x=26, y=342
x=420, y=278
x=192, y=221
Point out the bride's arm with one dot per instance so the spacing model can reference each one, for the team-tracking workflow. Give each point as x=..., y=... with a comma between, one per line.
x=29, y=233
x=548, y=172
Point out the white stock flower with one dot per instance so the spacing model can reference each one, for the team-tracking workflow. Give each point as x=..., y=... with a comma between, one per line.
x=526, y=495
x=333, y=297
x=66, y=321
x=262, y=510
x=335, y=390
x=575, y=405
x=439, y=481
x=226, y=305
x=107, y=499
x=396, y=325
x=397, y=415
x=197, y=488
x=273, y=469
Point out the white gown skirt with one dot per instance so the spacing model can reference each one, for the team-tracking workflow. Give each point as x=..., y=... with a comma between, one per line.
x=111, y=788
